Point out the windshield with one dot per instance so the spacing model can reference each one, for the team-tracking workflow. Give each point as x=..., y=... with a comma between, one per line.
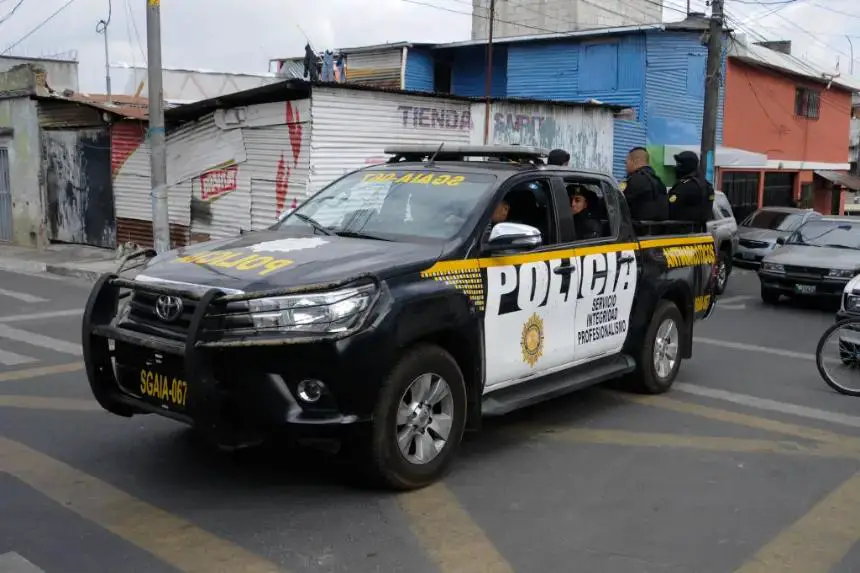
x=837, y=234
x=775, y=220
x=424, y=204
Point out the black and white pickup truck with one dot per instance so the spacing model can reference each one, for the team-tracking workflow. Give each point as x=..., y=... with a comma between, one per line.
x=393, y=309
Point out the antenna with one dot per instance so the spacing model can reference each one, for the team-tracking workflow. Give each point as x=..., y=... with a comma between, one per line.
x=432, y=157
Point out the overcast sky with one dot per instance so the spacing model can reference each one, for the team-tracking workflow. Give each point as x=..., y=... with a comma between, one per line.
x=242, y=35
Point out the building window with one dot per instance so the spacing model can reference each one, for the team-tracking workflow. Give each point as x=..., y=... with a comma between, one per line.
x=807, y=103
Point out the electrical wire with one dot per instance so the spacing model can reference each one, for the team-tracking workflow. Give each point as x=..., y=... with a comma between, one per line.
x=11, y=12
x=835, y=11
x=38, y=27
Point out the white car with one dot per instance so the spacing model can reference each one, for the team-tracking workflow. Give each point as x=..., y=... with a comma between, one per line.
x=849, y=338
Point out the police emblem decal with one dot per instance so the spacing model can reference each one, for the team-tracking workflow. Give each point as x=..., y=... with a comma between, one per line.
x=532, y=340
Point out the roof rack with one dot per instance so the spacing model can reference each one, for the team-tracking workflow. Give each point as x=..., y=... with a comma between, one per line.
x=453, y=152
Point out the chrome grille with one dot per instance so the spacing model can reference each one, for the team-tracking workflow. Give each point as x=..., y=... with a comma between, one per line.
x=752, y=244
x=805, y=272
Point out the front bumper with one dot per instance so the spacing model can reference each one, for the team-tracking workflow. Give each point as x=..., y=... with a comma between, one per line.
x=802, y=285
x=229, y=386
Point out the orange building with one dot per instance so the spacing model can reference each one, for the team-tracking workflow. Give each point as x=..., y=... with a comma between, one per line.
x=795, y=121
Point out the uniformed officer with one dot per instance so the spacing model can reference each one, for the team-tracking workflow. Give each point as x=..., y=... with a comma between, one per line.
x=643, y=189
x=584, y=224
x=692, y=196
x=558, y=157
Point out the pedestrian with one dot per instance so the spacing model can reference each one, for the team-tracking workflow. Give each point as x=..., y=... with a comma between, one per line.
x=692, y=196
x=644, y=191
x=558, y=157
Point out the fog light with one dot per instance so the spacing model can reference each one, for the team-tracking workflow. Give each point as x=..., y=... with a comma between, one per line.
x=310, y=390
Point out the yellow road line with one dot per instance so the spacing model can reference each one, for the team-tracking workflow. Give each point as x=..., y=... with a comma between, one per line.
x=449, y=535
x=819, y=540
x=710, y=443
x=174, y=540
x=757, y=422
x=41, y=371
x=49, y=403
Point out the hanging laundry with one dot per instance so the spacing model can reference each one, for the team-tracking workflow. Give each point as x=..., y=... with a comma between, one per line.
x=328, y=67
x=311, y=60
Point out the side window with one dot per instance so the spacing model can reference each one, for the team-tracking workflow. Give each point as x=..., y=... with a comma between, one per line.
x=529, y=202
x=724, y=209
x=595, y=216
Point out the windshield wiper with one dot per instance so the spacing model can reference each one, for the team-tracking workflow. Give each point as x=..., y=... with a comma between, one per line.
x=358, y=235
x=313, y=223
x=840, y=247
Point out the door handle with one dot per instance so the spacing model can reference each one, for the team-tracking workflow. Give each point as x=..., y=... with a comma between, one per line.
x=627, y=259
x=564, y=270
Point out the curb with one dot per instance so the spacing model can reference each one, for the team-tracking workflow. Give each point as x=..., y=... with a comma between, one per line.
x=34, y=267
x=13, y=265
x=91, y=276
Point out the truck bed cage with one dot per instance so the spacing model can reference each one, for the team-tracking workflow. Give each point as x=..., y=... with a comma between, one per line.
x=453, y=152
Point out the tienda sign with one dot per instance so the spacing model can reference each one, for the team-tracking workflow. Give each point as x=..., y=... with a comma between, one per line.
x=217, y=183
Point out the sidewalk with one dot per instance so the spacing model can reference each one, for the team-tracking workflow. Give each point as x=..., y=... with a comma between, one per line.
x=79, y=261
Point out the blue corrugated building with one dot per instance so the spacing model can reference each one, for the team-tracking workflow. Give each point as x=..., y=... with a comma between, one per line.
x=659, y=70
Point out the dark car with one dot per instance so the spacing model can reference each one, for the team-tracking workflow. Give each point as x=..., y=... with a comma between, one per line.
x=818, y=259
x=758, y=233
x=390, y=311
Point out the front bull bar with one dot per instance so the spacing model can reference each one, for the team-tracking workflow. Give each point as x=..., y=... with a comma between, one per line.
x=98, y=329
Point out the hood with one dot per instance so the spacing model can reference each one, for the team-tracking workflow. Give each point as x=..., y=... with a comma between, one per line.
x=273, y=259
x=686, y=163
x=766, y=235
x=817, y=257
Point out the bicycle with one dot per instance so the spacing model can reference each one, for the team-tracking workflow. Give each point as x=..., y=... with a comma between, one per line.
x=846, y=335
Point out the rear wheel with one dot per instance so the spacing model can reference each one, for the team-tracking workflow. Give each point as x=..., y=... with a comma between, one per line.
x=660, y=358
x=418, y=421
x=724, y=269
x=769, y=295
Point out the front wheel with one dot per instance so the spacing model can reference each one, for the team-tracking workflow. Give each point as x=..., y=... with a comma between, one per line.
x=837, y=357
x=660, y=357
x=418, y=421
x=769, y=295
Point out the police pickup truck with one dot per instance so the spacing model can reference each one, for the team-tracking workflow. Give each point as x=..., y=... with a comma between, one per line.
x=394, y=308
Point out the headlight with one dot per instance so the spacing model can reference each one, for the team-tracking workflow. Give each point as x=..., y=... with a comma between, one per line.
x=841, y=274
x=328, y=312
x=852, y=303
x=772, y=268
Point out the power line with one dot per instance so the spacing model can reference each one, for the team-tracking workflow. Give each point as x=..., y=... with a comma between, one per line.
x=38, y=26
x=835, y=11
x=12, y=11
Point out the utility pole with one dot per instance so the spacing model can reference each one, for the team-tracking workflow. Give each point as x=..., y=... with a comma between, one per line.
x=102, y=28
x=707, y=157
x=157, y=139
x=489, y=73
x=688, y=7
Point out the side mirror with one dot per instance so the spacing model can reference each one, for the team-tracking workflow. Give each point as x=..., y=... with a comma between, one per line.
x=513, y=237
x=781, y=241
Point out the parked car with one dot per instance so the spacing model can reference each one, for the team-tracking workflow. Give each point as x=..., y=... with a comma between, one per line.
x=758, y=233
x=724, y=228
x=400, y=332
x=818, y=259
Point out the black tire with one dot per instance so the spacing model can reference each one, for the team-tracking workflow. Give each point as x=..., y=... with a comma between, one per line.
x=769, y=295
x=377, y=453
x=819, y=357
x=645, y=380
x=724, y=269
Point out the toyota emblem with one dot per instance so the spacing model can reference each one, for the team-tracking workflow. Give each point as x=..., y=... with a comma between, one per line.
x=168, y=308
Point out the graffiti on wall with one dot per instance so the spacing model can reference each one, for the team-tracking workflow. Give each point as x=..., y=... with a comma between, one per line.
x=215, y=183
x=282, y=177
x=518, y=122
x=435, y=118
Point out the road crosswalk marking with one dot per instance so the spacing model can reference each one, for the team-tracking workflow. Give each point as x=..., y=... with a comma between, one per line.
x=11, y=359
x=40, y=340
x=14, y=563
x=41, y=315
x=22, y=296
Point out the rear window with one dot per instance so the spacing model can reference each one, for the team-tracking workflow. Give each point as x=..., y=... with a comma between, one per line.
x=402, y=203
x=775, y=220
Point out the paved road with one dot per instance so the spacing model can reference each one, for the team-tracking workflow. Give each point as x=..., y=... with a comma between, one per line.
x=750, y=465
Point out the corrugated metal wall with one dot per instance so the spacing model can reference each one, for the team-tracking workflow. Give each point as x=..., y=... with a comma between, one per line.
x=380, y=69
x=675, y=89
x=419, y=70
x=468, y=71
x=586, y=132
x=350, y=128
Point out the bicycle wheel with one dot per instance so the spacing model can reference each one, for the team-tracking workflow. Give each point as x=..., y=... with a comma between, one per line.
x=838, y=357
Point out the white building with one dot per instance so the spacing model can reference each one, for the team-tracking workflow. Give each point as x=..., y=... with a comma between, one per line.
x=530, y=17
x=240, y=161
